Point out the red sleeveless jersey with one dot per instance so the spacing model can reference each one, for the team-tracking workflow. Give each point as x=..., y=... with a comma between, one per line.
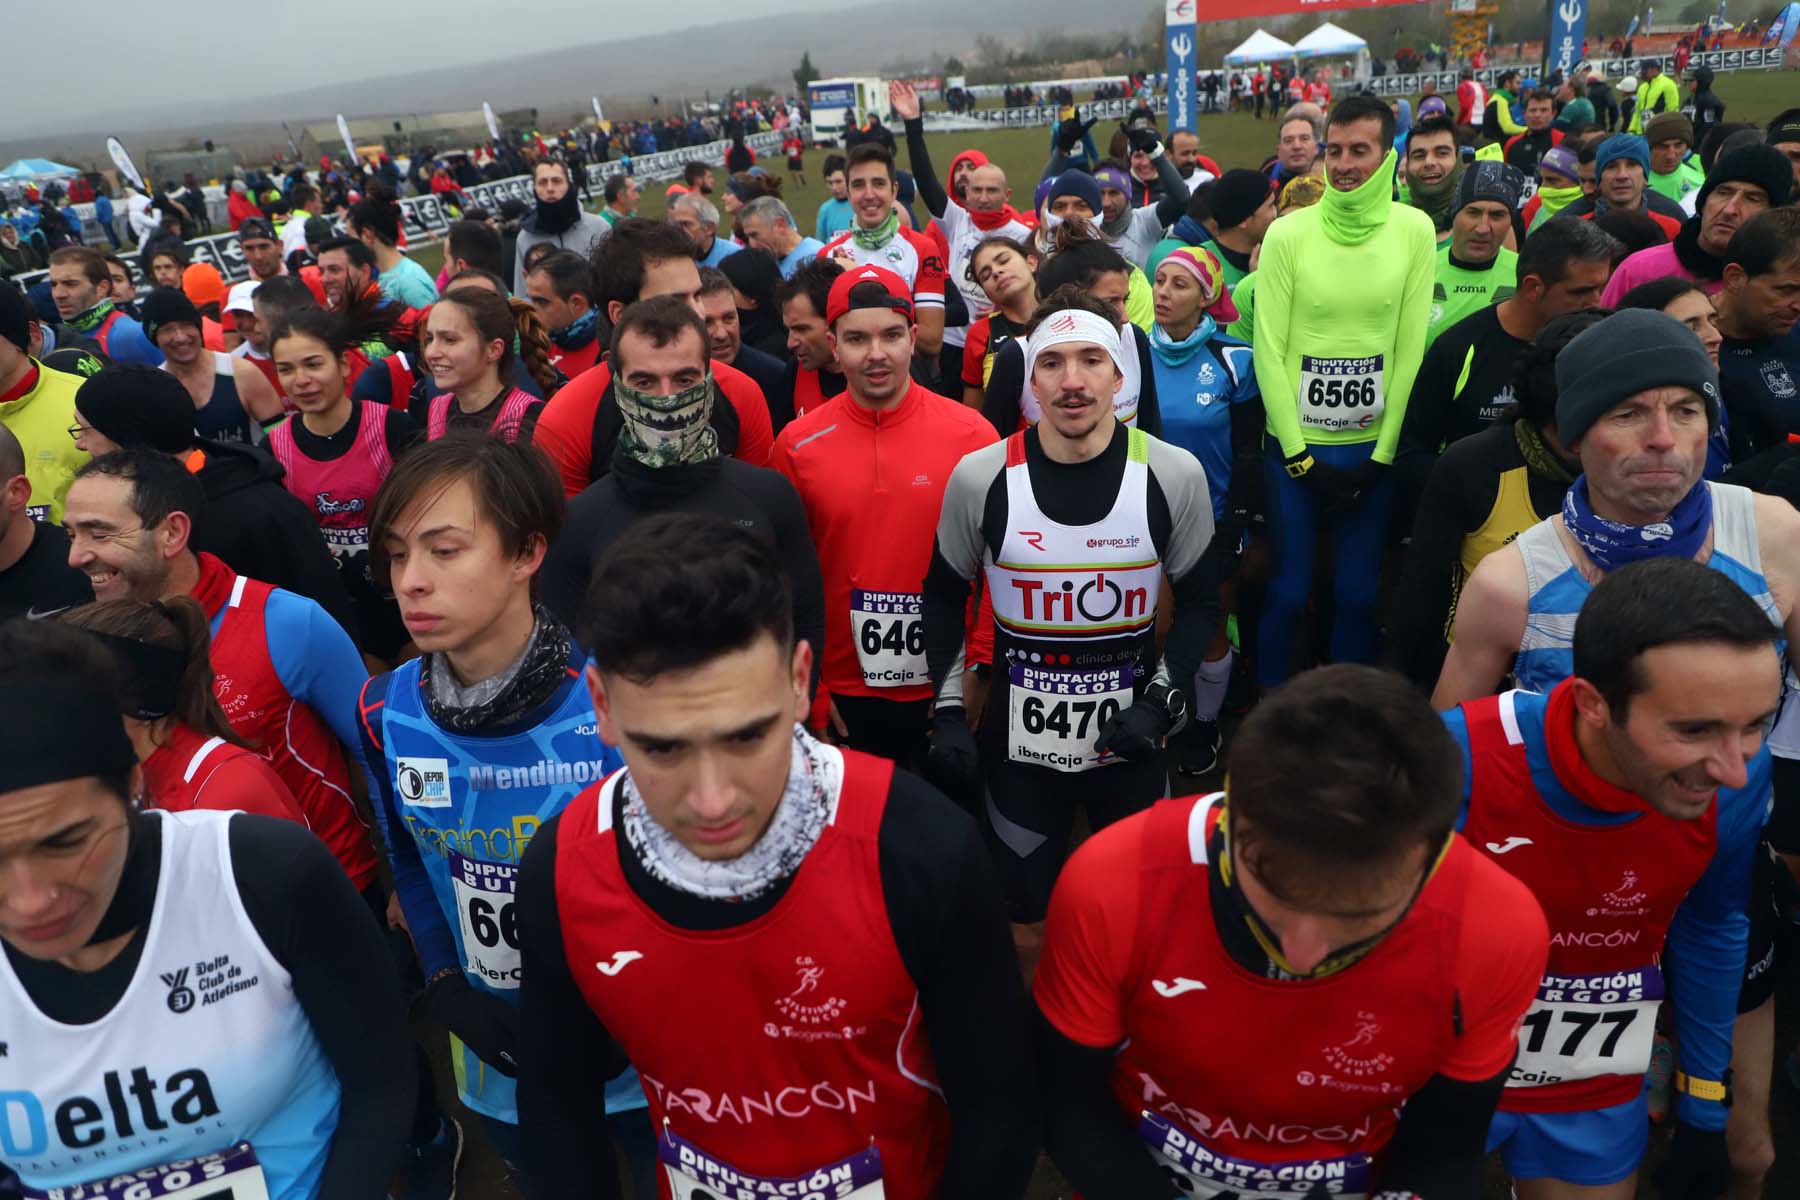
x=777, y=1048
x=1338, y=1055
x=340, y=491
x=294, y=738
x=192, y=770
x=1609, y=893
x=505, y=426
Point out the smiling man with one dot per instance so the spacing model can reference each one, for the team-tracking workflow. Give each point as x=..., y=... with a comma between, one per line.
x=800, y=948
x=1370, y=966
x=1629, y=800
x=878, y=239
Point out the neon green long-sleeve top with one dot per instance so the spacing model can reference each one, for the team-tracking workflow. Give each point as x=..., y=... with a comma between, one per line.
x=1347, y=279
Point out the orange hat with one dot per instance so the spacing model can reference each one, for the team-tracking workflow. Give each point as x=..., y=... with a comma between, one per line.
x=203, y=284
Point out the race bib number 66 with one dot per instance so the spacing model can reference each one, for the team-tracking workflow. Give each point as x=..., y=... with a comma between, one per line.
x=1337, y=394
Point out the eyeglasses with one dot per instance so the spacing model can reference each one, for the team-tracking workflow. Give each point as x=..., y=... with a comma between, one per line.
x=77, y=429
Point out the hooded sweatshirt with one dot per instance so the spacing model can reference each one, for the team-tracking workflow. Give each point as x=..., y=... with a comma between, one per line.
x=1312, y=331
x=260, y=529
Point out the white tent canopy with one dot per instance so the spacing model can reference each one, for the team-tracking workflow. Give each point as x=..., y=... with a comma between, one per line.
x=1260, y=46
x=1328, y=40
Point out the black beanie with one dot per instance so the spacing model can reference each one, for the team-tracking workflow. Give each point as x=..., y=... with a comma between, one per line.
x=166, y=306
x=1629, y=352
x=1762, y=166
x=135, y=404
x=1237, y=195
x=15, y=316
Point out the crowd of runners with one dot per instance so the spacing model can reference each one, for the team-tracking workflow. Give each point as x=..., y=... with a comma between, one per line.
x=1252, y=679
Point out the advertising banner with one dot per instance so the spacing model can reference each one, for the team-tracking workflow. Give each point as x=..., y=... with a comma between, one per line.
x=1178, y=57
x=1568, y=27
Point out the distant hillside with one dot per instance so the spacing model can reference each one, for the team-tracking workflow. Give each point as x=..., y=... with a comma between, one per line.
x=763, y=50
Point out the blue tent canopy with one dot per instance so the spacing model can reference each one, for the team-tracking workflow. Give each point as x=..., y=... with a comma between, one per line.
x=38, y=168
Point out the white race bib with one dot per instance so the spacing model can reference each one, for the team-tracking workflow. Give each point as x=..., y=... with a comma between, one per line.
x=1198, y=1170
x=888, y=629
x=1056, y=714
x=1337, y=394
x=229, y=1174
x=1582, y=1026
x=484, y=909
x=696, y=1175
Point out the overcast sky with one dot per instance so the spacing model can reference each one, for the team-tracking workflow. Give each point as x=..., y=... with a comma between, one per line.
x=220, y=56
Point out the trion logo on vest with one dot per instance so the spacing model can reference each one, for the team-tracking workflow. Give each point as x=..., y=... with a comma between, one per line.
x=1096, y=601
x=83, y=1122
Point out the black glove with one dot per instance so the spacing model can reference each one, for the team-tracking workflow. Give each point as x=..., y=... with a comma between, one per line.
x=1368, y=475
x=1142, y=138
x=1332, y=487
x=1136, y=733
x=484, y=1022
x=953, y=764
x=1697, y=1167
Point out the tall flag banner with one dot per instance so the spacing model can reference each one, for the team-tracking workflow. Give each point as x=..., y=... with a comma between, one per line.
x=1568, y=28
x=1178, y=62
x=121, y=157
x=600, y=116
x=493, y=123
x=349, y=142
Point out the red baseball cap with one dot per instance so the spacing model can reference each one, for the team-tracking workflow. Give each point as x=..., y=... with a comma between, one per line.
x=898, y=296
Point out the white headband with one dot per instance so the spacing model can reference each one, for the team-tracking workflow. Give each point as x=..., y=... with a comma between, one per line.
x=1073, y=325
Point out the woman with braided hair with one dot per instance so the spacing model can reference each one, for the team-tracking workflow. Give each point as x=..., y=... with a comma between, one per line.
x=468, y=348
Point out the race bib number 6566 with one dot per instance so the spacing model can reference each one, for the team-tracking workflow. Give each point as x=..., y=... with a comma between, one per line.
x=1337, y=394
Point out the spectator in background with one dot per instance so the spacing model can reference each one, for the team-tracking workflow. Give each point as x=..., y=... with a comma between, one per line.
x=1622, y=178
x=695, y=216
x=1524, y=150
x=17, y=257
x=718, y=308
x=558, y=219
x=559, y=289
x=238, y=204
x=81, y=287
x=1784, y=135
x=1744, y=182
x=1297, y=148
x=375, y=222
x=622, y=193
x=754, y=274
x=1674, y=169
x=768, y=224
x=1709, y=110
